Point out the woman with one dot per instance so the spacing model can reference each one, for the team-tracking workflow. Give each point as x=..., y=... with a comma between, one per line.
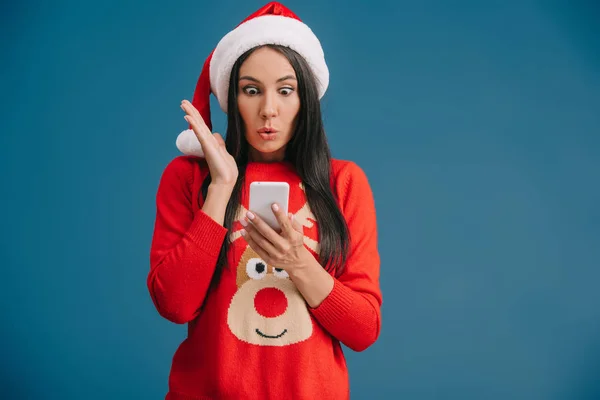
x=266, y=310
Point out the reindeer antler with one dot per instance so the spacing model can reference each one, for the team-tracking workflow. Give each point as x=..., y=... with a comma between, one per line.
x=240, y=213
x=306, y=218
x=312, y=244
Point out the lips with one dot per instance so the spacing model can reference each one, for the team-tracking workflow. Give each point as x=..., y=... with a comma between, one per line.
x=267, y=130
x=267, y=133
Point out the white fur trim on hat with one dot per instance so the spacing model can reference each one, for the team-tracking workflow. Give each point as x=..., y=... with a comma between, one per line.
x=267, y=29
x=188, y=144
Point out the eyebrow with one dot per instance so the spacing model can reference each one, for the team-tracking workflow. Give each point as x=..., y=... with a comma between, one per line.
x=284, y=78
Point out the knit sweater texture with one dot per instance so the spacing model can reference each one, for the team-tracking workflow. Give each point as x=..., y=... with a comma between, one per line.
x=252, y=335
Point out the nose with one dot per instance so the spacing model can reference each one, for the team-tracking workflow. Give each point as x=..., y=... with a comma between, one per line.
x=270, y=302
x=268, y=108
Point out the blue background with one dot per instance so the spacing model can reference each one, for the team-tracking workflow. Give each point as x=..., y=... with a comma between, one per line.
x=477, y=124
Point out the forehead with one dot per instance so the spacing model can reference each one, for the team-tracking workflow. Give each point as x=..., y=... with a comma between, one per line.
x=266, y=64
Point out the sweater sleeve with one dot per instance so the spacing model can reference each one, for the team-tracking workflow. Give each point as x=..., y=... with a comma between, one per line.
x=185, y=246
x=351, y=312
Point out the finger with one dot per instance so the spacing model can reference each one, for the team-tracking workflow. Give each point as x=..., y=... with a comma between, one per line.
x=196, y=117
x=196, y=121
x=259, y=250
x=297, y=226
x=189, y=107
x=282, y=218
x=265, y=230
x=191, y=110
x=195, y=111
x=260, y=240
x=199, y=131
x=210, y=144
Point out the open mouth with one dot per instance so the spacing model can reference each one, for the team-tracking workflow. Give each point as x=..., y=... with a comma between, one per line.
x=271, y=337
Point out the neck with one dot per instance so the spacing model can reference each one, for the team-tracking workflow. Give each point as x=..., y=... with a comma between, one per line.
x=257, y=156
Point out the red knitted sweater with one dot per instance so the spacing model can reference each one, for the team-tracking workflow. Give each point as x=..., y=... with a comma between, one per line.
x=253, y=336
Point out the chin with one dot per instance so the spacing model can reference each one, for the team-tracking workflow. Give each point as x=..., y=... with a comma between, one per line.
x=268, y=147
x=271, y=148
x=269, y=153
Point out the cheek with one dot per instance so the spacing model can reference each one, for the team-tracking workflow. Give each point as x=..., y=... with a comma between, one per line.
x=244, y=109
x=292, y=107
x=294, y=114
x=296, y=107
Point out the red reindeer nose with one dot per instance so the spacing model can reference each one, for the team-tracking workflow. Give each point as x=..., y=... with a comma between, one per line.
x=270, y=302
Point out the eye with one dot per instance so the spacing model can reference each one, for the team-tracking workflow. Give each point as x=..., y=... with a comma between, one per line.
x=256, y=268
x=250, y=90
x=286, y=91
x=280, y=273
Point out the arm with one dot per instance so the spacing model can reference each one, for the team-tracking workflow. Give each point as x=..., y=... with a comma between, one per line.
x=350, y=311
x=185, y=245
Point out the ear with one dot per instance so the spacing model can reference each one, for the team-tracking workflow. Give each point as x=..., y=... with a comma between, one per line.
x=241, y=276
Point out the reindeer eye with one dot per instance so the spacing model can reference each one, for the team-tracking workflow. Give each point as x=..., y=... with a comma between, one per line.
x=280, y=273
x=256, y=268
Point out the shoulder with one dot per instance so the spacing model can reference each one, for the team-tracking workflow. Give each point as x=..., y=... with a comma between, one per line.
x=345, y=172
x=349, y=180
x=184, y=167
x=185, y=163
x=184, y=172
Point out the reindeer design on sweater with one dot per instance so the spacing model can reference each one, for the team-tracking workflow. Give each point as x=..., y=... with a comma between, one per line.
x=267, y=308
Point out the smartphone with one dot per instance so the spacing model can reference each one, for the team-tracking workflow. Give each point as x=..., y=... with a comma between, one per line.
x=263, y=195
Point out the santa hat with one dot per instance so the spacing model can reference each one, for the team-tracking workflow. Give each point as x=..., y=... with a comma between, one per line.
x=272, y=24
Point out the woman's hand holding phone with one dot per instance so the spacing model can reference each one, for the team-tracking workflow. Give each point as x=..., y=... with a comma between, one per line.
x=285, y=249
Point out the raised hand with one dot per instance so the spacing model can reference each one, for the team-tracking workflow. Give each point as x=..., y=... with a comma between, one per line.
x=223, y=169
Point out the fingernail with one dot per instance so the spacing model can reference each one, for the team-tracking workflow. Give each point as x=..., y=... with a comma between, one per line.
x=243, y=232
x=243, y=222
x=275, y=207
x=250, y=215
